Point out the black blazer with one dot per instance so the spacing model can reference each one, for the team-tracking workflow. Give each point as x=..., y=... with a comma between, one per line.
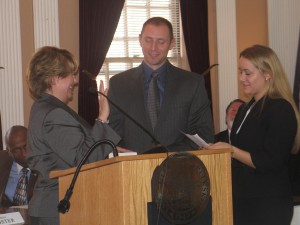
x=222, y=136
x=268, y=135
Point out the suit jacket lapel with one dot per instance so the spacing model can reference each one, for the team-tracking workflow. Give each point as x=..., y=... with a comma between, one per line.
x=52, y=100
x=239, y=119
x=170, y=89
x=31, y=183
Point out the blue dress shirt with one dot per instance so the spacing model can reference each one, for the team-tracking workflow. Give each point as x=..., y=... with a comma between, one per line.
x=13, y=179
x=160, y=79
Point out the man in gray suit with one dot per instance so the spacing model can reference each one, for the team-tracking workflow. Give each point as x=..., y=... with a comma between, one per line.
x=184, y=104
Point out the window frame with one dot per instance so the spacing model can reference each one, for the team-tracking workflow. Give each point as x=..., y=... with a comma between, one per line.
x=174, y=56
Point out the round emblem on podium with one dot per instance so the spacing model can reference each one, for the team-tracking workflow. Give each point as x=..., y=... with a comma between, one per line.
x=181, y=188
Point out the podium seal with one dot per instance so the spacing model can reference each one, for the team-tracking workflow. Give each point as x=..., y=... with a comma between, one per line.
x=181, y=188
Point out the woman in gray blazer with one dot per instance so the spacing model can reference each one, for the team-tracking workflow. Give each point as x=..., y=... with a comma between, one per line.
x=57, y=136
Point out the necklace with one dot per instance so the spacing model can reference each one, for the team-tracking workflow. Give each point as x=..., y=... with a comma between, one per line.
x=248, y=111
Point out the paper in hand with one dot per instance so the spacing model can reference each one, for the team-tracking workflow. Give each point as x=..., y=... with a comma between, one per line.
x=196, y=139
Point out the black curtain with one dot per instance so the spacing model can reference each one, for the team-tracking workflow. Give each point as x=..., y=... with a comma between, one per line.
x=194, y=16
x=98, y=20
x=297, y=77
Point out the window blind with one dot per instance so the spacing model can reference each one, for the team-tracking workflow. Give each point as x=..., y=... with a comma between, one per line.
x=125, y=51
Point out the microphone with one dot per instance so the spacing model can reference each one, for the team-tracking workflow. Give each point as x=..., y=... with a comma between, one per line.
x=208, y=69
x=64, y=205
x=159, y=148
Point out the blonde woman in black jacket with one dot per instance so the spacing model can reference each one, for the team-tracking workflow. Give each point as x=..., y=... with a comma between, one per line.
x=264, y=133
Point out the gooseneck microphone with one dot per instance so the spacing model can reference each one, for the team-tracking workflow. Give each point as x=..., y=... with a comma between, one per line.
x=95, y=92
x=158, y=145
x=208, y=69
x=64, y=205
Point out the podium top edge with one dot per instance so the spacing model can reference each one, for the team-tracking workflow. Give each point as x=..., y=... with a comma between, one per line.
x=59, y=173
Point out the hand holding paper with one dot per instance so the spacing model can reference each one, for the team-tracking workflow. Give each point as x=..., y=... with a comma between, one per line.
x=196, y=139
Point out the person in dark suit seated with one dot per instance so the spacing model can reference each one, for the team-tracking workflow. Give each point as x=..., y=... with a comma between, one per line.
x=231, y=111
x=182, y=102
x=12, y=162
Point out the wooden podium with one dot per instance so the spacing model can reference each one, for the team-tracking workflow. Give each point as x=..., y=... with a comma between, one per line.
x=115, y=191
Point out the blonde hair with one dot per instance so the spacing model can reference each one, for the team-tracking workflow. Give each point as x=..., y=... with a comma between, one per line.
x=266, y=60
x=46, y=63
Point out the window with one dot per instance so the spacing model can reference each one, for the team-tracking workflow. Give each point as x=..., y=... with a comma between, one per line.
x=125, y=51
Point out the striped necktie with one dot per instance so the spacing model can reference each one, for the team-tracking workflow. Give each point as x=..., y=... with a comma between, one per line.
x=153, y=101
x=20, y=197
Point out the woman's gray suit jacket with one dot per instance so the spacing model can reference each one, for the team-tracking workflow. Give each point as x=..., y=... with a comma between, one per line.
x=57, y=140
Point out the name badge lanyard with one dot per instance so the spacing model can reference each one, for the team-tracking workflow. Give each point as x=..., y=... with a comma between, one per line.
x=248, y=111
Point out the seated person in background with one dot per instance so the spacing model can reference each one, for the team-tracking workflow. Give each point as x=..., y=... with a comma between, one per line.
x=12, y=162
x=231, y=111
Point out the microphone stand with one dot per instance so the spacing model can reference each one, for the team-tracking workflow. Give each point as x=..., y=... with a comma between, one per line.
x=94, y=91
x=158, y=146
x=208, y=69
x=64, y=205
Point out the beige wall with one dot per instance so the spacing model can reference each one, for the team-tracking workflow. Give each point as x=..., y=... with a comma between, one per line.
x=27, y=43
x=213, y=58
x=252, y=26
x=251, y=29
x=69, y=39
x=69, y=33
